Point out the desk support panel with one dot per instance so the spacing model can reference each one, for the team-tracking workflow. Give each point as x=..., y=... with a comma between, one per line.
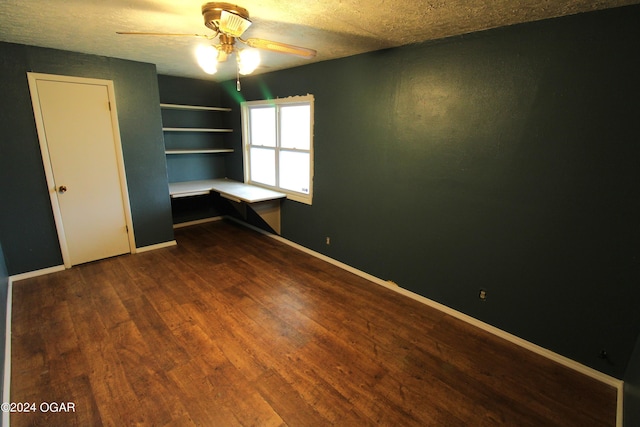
x=269, y=211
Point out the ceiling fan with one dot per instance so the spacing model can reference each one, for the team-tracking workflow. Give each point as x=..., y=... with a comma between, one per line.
x=229, y=22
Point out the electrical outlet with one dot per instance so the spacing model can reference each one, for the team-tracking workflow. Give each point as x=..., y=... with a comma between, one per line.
x=483, y=295
x=328, y=240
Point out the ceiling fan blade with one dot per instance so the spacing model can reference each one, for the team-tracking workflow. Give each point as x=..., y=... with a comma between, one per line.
x=134, y=33
x=280, y=47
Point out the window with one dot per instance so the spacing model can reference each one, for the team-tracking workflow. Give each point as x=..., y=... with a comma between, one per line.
x=278, y=145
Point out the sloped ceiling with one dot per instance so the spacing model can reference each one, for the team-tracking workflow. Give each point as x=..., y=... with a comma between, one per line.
x=335, y=28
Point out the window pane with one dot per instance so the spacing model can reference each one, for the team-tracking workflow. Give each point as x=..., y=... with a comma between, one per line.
x=294, y=171
x=262, y=126
x=263, y=165
x=295, y=126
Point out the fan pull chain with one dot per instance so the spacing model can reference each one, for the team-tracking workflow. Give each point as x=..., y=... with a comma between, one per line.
x=238, y=73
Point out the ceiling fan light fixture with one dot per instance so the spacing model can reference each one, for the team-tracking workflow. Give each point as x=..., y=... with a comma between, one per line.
x=228, y=22
x=248, y=61
x=207, y=57
x=222, y=55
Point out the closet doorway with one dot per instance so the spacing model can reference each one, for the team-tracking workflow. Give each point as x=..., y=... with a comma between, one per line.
x=82, y=156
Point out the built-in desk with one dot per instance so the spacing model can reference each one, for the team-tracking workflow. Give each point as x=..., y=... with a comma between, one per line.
x=265, y=202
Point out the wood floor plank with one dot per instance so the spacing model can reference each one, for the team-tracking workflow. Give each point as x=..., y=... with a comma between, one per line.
x=290, y=398
x=167, y=350
x=233, y=328
x=203, y=399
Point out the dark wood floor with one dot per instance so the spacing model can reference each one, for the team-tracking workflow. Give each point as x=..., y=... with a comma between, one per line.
x=233, y=328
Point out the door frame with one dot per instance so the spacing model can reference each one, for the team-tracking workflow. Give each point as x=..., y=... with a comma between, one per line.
x=46, y=160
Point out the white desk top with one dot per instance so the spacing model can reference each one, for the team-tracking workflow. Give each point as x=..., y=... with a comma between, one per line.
x=227, y=188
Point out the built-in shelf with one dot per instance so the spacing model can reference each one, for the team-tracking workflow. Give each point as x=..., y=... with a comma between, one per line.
x=202, y=151
x=192, y=107
x=196, y=136
x=196, y=130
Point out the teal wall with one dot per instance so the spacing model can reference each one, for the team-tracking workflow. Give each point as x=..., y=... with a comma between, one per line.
x=505, y=160
x=27, y=228
x=632, y=389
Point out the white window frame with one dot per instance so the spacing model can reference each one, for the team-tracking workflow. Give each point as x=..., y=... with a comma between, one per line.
x=246, y=143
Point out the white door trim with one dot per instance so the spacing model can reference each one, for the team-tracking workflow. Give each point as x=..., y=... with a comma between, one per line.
x=46, y=160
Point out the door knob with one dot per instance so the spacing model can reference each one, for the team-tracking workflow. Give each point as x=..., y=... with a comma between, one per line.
x=62, y=189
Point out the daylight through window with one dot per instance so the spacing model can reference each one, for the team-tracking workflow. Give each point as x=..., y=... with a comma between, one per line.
x=278, y=145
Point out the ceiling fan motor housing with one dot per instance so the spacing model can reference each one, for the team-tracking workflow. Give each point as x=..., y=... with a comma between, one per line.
x=226, y=18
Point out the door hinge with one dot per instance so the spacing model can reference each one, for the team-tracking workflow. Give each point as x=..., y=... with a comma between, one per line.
x=126, y=227
x=109, y=103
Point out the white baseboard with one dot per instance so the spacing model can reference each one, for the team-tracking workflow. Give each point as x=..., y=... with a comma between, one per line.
x=36, y=273
x=569, y=363
x=42, y=272
x=6, y=386
x=156, y=246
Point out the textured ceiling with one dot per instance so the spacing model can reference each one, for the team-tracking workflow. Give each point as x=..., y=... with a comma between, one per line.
x=335, y=28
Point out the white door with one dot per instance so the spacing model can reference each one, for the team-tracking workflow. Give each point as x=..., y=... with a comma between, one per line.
x=83, y=156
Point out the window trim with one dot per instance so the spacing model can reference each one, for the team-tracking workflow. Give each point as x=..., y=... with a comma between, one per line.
x=246, y=146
